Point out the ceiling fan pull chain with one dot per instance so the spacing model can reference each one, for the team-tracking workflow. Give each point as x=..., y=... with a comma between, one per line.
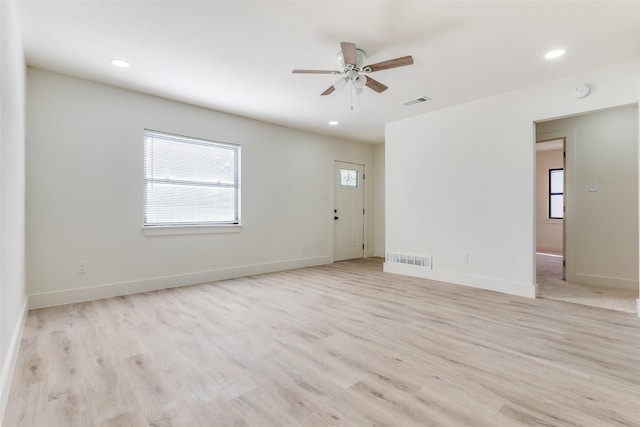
x=352, y=89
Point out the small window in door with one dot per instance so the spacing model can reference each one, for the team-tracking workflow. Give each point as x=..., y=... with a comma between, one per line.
x=556, y=193
x=348, y=178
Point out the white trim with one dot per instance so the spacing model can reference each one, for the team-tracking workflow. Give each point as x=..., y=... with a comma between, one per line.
x=606, y=281
x=10, y=360
x=638, y=309
x=482, y=282
x=164, y=230
x=67, y=296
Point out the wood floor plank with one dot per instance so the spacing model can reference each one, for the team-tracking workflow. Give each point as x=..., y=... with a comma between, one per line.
x=337, y=345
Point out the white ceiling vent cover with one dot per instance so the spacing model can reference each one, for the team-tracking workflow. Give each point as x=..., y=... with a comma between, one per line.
x=415, y=101
x=415, y=260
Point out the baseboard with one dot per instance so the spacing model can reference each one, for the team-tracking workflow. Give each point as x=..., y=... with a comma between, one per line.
x=67, y=296
x=10, y=360
x=529, y=290
x=549, y=249
x=605, y=281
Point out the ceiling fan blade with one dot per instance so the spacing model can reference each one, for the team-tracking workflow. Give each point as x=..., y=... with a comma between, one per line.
x=315, y=72
x=392, y=63
x=329, y=90
x=348, y=53
x=375, y=85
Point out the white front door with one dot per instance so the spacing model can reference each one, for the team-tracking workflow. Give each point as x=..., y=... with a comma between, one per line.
x=348, y=211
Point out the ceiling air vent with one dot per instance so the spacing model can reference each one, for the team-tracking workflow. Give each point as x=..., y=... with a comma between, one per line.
x=418, y=100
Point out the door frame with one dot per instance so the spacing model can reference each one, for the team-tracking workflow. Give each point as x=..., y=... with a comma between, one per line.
x=365, y=202
x=568, y=256
x=541, y=138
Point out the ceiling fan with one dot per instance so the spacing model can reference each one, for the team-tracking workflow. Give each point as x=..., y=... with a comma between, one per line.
x=351, y=64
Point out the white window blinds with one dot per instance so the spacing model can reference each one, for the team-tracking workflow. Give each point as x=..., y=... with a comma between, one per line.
x=556, y=193
x=189, y=181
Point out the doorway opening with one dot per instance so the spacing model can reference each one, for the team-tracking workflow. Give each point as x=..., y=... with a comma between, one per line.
x=587, y=253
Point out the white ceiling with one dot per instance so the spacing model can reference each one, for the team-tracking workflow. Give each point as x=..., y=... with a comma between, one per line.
x=237, y=56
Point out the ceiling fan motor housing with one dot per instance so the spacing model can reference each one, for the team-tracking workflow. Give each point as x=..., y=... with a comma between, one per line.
x=360, y=58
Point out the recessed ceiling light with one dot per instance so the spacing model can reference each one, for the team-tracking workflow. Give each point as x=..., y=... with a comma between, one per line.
x=120, y=63
x=333, y=122
x=556, y=53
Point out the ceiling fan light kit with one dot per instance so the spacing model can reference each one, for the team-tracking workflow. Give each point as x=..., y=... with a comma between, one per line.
x=360, y=81
x=351, y=63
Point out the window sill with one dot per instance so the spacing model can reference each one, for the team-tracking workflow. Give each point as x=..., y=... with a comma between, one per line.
x=167, y=230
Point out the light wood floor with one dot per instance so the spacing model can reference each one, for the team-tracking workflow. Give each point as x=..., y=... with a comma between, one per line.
x=343, y=345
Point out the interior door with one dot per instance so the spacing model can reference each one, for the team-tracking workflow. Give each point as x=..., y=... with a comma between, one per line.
x=348, y=212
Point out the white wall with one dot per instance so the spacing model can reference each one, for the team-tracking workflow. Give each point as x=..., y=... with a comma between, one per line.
x=447, y=192
x=602, y=226
x=548, y=231
x=12, y=194
x=84, y=193
x=378, y=200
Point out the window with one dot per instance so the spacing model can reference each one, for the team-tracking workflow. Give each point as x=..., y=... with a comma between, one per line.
x=348, y=178
x=189, y=181
x=556, y=193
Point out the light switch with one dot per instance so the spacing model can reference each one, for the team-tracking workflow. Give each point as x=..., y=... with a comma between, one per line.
x=593, y=187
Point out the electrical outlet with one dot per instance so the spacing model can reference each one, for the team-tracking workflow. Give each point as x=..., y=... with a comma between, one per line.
x=464, y=257
x=82, y=267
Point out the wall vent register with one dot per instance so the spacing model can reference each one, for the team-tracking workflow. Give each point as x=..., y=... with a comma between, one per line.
x=407, y=259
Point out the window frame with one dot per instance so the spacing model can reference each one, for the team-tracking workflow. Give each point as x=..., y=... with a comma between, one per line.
x=192, y=227
x=550, y=193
